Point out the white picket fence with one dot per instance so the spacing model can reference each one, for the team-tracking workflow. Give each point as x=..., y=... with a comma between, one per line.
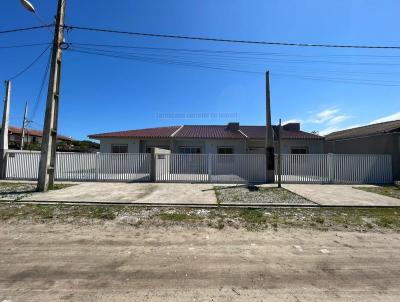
x=336, y=168
x=215, y=168
x=82, y=166
x=235, y=168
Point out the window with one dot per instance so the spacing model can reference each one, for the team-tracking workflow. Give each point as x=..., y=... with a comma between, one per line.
x=300, y=150
x=225, y=150
x=190, y=150
x=119, y=148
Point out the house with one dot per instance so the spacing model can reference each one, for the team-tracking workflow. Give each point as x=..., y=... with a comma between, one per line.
x=382, y=138
x=218, y=139
x=32, y=138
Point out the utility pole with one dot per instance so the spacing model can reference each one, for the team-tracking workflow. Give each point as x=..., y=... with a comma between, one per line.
x=4, y=130
x=24, y=125
x=279, y=168
x=49, y=142
x=269, y=137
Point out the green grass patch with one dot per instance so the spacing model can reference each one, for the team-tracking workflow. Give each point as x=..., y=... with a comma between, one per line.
x=349, y=219
x=178, y=216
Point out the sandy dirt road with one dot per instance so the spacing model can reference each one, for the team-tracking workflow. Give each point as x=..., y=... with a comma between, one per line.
x=119, y=263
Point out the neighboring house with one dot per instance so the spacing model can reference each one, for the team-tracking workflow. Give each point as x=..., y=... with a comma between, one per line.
x=230, y=139
x=382, y=138
x=32, y=137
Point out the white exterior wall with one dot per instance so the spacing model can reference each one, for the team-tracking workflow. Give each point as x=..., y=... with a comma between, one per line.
x=106, y=143
x=208, y=146
x=314, y=146
x=189, y=143
x=157, y=143
x=239, y=146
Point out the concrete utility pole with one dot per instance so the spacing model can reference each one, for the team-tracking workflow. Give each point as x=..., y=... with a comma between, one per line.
x=4, y=130
x=24, y=125
x=49, y=142
x=269, y=137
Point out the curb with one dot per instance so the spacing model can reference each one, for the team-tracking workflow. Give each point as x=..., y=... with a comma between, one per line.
x=184, y=205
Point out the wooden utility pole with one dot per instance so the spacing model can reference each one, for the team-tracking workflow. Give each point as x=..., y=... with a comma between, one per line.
x=4, y=130
x=49, y=142
x=279, y=168
x=24, y=125
x=269, y=137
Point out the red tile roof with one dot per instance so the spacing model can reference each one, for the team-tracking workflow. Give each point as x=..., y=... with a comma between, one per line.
x=205, y=132
x=258, y=132
x=161, y=132
x=193, y=131
x=33, y=132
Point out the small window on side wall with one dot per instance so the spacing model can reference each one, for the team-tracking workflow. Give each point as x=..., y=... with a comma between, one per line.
x=300, y=150
x=119, y=148
x=225, y=150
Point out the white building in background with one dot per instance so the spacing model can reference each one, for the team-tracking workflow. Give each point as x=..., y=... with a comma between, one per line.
x=216, y=139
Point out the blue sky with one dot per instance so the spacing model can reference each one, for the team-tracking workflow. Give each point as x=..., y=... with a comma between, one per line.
x=101, y=94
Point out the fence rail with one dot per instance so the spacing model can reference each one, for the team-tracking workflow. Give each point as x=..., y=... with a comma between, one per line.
x=336, y=168
x=82, y=166
x=232, y=168
x=216, y=168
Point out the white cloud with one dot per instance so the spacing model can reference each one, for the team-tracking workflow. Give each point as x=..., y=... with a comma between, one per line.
x=329, y=120
x=324, y=116
x=392, y=117
x=291, y=121
x=338, y=119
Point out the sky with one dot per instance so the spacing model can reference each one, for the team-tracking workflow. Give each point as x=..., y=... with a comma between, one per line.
x=160, y=82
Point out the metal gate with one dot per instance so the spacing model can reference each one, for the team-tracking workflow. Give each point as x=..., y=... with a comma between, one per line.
x=215, y=168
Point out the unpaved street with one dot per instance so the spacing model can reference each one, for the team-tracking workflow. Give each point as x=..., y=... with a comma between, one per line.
x=40, y=262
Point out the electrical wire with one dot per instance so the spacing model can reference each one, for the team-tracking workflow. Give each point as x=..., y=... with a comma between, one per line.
x=210, y=51
x=278, y=60
x=30, y=65
x=23, y=45
x=39, y=95
x=209, y=39
x=225, y=67
x=225, y=62
x=24, y=29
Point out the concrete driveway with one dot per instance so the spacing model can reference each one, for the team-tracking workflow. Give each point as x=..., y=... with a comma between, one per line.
x=341, y=195
x=154, y=193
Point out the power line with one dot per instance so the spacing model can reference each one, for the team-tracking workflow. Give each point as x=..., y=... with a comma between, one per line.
x=24, y=29
x=210, y=51
x=239, y=57
x=233, y=56
x=225, y=67
x=30, y=65
x=23, y=45
x=220, y=60
x=37, y=101
x=209, y=39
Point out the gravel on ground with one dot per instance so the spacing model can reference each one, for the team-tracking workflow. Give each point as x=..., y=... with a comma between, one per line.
x=258, y=195
x=16, y=190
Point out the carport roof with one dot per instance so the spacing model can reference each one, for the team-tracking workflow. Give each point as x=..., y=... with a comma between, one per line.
x=205, y=132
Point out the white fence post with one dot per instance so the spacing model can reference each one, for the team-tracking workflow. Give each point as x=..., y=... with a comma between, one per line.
x=97, y=165
x=331, y=167
x=233, y=168
x=209, y=166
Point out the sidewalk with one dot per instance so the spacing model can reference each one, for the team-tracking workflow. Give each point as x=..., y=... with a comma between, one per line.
x=341, y=195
